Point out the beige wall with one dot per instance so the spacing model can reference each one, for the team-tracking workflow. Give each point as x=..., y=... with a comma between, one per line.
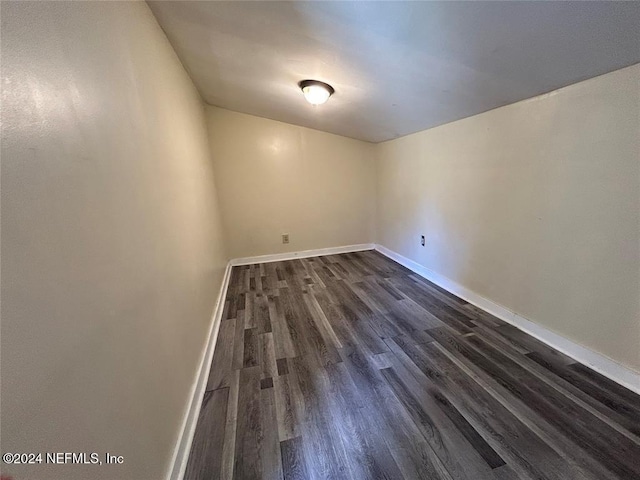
x=535, y=206
x=111, y=249
x=277, y=178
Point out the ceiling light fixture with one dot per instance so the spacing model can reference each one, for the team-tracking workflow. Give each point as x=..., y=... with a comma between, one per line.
x=316, y=92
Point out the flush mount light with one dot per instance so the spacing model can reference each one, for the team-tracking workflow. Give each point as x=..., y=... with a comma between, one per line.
x=316, y=92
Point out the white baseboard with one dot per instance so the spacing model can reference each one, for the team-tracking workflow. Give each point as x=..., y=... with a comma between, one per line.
x=279, y=257
x=183, y=445
x=594, y=360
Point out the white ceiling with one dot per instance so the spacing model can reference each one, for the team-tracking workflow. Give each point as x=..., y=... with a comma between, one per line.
x=397, y=67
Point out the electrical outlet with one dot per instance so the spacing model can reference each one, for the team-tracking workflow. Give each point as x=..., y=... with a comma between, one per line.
x=285, y=238
x=422, y=240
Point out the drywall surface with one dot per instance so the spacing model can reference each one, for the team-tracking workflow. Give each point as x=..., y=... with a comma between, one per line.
x=277, y=178
x=111, y=249
x=535, y=206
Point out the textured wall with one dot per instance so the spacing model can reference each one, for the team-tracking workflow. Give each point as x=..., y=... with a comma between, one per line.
x=111, y=249
x=535, y=206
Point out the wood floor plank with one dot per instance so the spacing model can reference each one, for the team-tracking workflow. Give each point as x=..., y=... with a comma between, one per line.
x=268, y=355
x=484, y=317
x=238, y=342
x=440, y=310
x=293, y=463
x=332, y=313
x=261, y=313
x=362, y=330
x=346, y=297
x=609, y=386
x=442, y=300
x=368, y=453
x=545, y=371
x=305, y=330
x=289, y=407
x=321, y=321
x=366, y=293
x=233, y=292
x=393, y=268
x=282, y=343
x=385, y=328
x=533, y=345
x=283, y=367
x=249, y=311
x=269, y=443
x=324, y=458
x=413, y=455
x=312, y=274
x=609, y=447
x=324, y=274
x=348, y=332
x=408, y=313
x=522, y=449
x=205, y=459
x=372, y=267
x=268, y=277
x=353, y=367
x=620, y=411
x=542, y=417
x=229, y=446
x=252, y=352
x=248, y=461
x=222, y=363
x=484, y=449
x=461, y=459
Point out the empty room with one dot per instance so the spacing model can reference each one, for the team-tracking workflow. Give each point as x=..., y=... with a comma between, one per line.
x=304, y=240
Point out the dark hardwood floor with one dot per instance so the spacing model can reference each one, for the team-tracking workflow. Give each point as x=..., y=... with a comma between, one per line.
x=351, y=366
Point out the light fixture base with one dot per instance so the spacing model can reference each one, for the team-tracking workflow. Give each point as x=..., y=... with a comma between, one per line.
x=317, y=83
x=315, y=91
